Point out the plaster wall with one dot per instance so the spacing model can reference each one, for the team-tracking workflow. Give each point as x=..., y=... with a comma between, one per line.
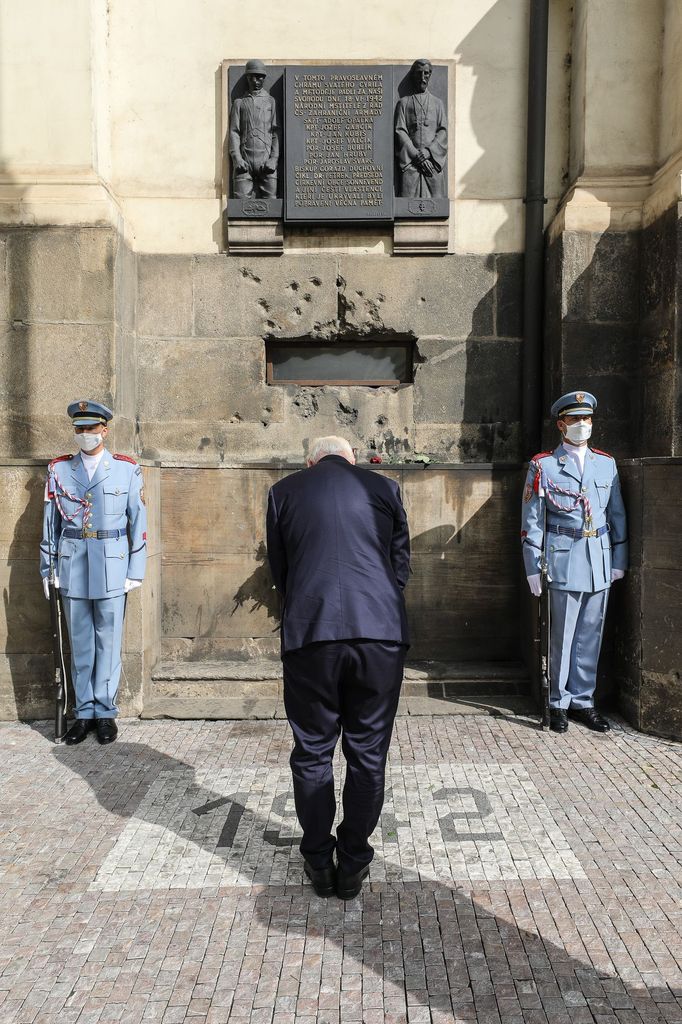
x=134, y=97
x=670, y=134
x=620, y=90
x=46, y=120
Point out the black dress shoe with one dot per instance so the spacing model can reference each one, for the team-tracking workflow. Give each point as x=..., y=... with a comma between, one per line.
x=348, y=886
x=591, y=718
x=79, y=730
x=107, y=730
x=323, y=879
x=558, y=719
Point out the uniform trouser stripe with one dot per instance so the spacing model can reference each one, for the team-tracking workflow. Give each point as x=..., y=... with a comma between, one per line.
x=95, y=634
x=576, y=635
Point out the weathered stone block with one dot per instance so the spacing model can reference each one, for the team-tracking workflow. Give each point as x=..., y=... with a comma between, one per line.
x=58, y=274
x=376, y=421
x=455, y=515
x=227, y=595
x=165, y=302
x=29, y=354
x=661, y=516
x=661, y=704
x=289, y=297
x=509, y=295
x=4, y=282
x=33, y=394
x=214, y=512
x=473, y=382
x=125, y=287
x=599, y=349
x=469, y=442
x=601, y=276
x=23, y=489
x=25, y=622
x=26, y=687
x=657, y=398
x=661, y=611
x=451, y=297
x=227, y=379
x=630, y=474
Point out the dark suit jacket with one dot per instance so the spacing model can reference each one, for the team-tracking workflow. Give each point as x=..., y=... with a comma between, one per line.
x=339, y=551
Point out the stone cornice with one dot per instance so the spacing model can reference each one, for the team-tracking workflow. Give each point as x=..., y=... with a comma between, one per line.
x=619, y=202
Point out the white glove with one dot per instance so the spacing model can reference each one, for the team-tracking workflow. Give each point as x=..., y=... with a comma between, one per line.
x=617, y=574
x=535, y=584
x=46, y=586
x=131, y=585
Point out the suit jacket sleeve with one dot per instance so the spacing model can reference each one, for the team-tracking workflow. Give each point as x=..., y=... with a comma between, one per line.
x=137, y=519
x=276, y=553
x=400, y=543
x=615, y=517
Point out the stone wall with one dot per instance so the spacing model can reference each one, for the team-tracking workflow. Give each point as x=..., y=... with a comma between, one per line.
x=67, y=329
x=647, y=610
x=592, y=332
x=217, y=593
x=660, y=349
x=67, y=308
x=213, y=313
x=614, y=327
x=176, y=346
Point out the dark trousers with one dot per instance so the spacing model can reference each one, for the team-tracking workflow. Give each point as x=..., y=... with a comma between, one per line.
x=349, y=686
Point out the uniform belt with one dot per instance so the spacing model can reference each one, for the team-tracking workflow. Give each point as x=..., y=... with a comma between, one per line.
x=93, y=534
x=569, y=531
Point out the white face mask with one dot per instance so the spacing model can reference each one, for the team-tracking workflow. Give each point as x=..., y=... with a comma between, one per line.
x=578, y=432
x=88, y=442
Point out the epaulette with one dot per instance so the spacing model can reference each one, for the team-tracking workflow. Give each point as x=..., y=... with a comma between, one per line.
x=598, y=451
x=124, y=458
x=60, y=458
x=536, y=481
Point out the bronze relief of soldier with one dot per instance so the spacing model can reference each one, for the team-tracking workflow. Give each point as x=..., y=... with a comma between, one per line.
x=254, y=138
x=421, y=137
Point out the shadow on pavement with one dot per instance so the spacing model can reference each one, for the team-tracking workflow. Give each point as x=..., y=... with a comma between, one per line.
x=421, y=940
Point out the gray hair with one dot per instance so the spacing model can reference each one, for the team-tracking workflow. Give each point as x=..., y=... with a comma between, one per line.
x=331, y=445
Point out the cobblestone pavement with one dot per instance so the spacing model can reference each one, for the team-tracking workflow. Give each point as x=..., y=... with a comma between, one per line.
x=519, y=877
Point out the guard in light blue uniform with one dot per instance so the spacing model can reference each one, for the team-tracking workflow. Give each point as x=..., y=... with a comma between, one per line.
x=95, y=526
x=573, y=515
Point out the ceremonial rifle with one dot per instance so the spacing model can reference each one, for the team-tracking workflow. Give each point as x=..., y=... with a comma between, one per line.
x=57, y=647
x=544, y=623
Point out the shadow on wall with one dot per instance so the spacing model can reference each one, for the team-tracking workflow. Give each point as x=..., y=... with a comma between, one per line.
x=28, y=644
x=593, y=343
x=462, y=596
x=257, y=589
x=593, y=330
x=456, y=957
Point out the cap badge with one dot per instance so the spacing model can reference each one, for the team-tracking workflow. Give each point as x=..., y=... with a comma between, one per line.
x=580, y=397
x=83, y=406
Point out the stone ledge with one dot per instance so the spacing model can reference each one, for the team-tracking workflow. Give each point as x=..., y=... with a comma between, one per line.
x=271, y=668
x=235, y=709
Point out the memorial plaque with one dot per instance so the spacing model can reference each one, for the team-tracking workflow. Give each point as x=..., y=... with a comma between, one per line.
x=339, y=143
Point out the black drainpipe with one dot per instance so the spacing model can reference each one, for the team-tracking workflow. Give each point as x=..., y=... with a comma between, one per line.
x=533, y=267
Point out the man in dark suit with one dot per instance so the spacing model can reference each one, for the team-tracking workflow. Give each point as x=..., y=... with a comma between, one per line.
x=339, y=551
